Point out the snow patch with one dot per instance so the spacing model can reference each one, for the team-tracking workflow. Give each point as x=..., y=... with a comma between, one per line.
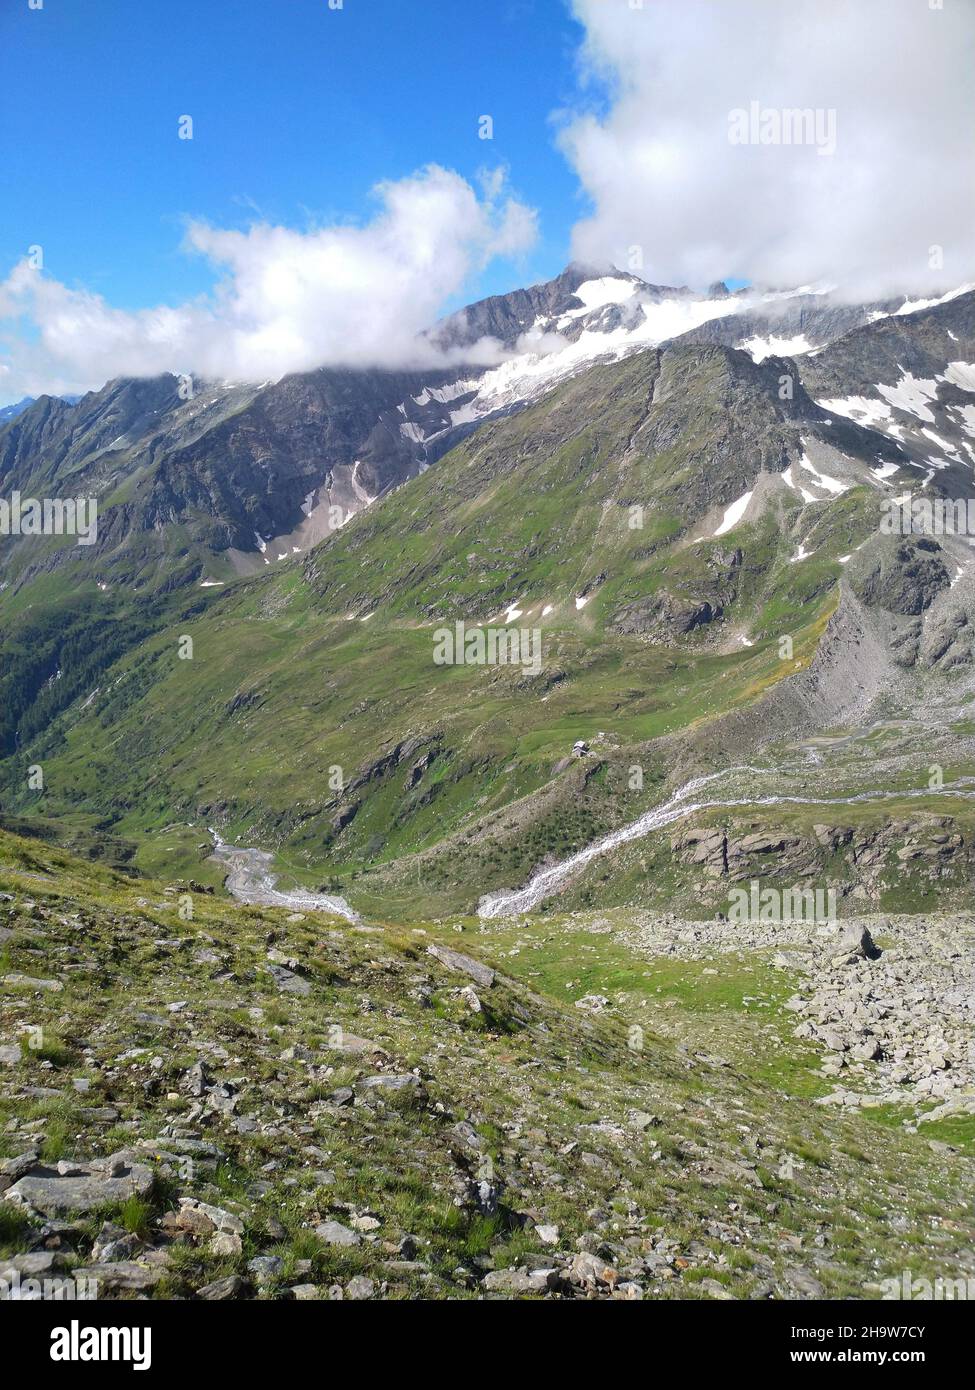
x=797, y=487
x=911, y=394
x=531, y=373
x=410, y=430
x=596, y=294
x=942, y=444
x=861, y=409
x=966, y=413
x=913, y=306
x=734, y=514
x=760, y=348
x=961, y=374
x=822, y=479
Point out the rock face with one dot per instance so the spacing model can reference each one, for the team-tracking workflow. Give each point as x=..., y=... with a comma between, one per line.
x=673, y=613
x=852, y=859
x=902, y=574
x=230, y=463
x=667, y=614
x=80, y=1187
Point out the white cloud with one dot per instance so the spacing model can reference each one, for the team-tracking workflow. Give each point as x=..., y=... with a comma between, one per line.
x=662, y=174
x=285, y=300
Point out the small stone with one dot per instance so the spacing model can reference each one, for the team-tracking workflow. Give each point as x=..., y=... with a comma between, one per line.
x=288, y=982
x=192, y=1210
x=334, y=1233
x=113, y=1243
x=389, y=1081
x=855, y=943
x=629, y=1290
x=515, y=1281
x=265, y=1268
x=222, y=1289
x=359, y=1287
x=592, y=1003
x=366, y=1223
x=642, y=1120
x=716, y=1290
x=121, y=1274
x=588, y=1270
x=84, y=1188
x=29, y=982
x=225, y=1244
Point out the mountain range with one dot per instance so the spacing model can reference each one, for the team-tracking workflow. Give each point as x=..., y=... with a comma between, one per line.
x=207, y=481
x=379, y=794
x=663, y=484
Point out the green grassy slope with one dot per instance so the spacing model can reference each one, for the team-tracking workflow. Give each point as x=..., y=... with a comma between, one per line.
x=325, y=671
x=673, y=1134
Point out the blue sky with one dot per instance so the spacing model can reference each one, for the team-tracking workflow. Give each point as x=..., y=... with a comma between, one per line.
x=301, y=112
x=298, y=111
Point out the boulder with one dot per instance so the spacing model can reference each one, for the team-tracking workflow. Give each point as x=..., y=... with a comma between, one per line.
x=482, y=975
x=84, y=1188
x=854, y=943
x=121, y=1275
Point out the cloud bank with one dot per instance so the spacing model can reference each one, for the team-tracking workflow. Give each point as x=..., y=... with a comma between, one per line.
x=663, y=175
x=285, y=300
x=789, y=144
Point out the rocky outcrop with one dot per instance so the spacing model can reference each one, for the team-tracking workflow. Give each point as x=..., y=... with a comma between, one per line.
x=855, y=858
x=671, y=613
x=666, y=614
x=902, y=574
